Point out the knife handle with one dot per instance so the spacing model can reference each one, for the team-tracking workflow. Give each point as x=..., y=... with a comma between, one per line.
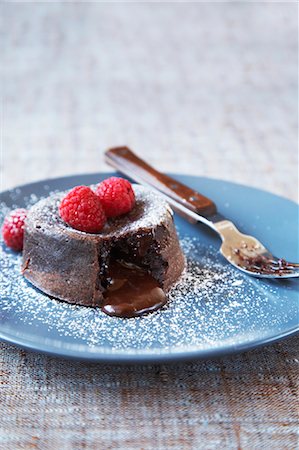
x=124, y=160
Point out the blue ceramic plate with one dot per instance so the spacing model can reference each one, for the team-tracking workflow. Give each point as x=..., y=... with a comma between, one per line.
x=214, y=310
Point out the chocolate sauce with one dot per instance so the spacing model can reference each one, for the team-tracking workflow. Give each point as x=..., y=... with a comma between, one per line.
x=131, y=291
x=263, y=264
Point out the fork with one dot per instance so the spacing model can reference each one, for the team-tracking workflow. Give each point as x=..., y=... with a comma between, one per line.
x=244, y=252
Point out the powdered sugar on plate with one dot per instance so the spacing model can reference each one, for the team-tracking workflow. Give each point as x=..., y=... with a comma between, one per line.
x=212, y=302
x=212, y=305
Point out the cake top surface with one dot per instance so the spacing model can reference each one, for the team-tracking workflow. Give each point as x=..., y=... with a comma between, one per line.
x=150, y=210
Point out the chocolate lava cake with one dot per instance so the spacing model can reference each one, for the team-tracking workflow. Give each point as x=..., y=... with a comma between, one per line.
x=73, y=265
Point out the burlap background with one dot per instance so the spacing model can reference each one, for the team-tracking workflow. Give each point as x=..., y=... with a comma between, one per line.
x=201, y=88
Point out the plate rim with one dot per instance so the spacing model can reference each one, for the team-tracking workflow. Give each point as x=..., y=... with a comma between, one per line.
x=123, y=358
x=152, y=357
x=171, y=174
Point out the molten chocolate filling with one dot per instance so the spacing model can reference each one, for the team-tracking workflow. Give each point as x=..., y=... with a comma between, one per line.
x=131, y=291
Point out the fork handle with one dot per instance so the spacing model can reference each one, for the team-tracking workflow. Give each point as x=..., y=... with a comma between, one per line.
x=124, y=160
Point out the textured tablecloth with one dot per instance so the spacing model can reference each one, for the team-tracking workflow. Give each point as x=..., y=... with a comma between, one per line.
x=203, y=88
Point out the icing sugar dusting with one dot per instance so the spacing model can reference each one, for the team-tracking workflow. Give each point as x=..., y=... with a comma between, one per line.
x=150, y=210
x=213, y=304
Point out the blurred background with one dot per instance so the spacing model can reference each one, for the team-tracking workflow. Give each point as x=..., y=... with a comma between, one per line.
x=208, y=89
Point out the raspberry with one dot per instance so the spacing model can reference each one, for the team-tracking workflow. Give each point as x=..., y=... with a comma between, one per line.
x=116, y=195
x=13, y=229
x=82, y=210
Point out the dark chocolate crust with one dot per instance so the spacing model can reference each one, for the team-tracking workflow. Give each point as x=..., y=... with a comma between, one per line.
x=72, y=265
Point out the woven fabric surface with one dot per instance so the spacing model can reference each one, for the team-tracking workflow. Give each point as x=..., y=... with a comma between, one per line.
x=246, y=401
x=206, y=89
